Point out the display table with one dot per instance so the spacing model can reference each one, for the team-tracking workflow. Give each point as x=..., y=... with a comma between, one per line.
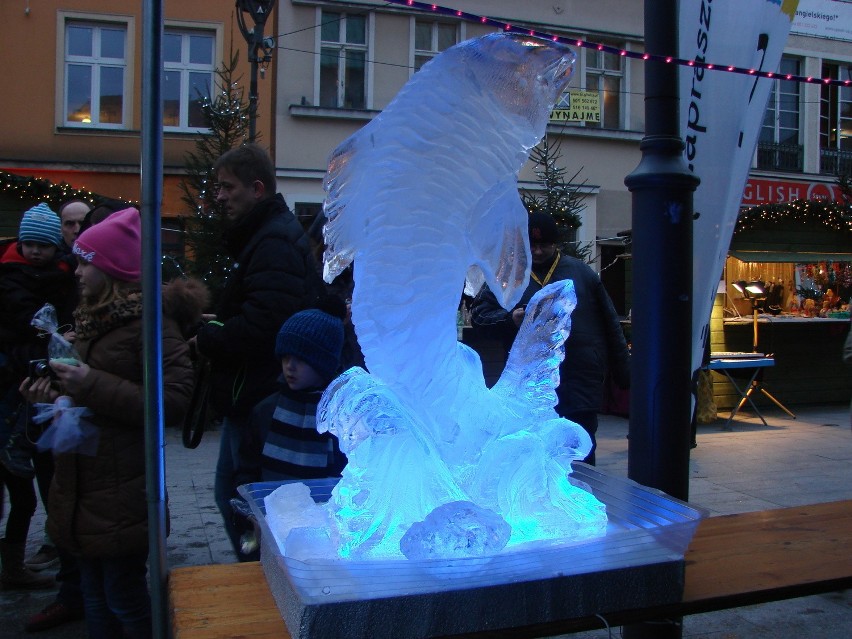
x=755, y=363
x=808, y=366
x=733, y=560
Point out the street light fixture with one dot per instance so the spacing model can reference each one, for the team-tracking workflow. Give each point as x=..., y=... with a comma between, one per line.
x=260, y=51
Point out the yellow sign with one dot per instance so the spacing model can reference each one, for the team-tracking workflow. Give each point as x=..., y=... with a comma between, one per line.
x=578, y=106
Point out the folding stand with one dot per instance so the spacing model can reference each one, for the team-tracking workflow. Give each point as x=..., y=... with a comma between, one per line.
x=754, y=383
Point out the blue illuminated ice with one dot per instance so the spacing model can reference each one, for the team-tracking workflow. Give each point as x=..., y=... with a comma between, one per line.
x=424, y=200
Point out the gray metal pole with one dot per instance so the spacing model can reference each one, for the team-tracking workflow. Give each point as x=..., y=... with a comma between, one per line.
x=152, y=191
x=254, y=47
x=662, y=188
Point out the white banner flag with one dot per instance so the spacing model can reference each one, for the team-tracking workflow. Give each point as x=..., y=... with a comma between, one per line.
x=721, y=114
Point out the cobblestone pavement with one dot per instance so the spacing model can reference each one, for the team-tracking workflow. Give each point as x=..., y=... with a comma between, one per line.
x=753, y=467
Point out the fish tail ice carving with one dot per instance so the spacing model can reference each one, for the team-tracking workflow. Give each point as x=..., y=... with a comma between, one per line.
x=421, y=200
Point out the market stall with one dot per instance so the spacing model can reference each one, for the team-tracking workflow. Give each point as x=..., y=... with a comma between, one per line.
x=786, y=291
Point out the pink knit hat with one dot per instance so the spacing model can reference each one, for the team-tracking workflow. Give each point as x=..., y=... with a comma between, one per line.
x=114, y=245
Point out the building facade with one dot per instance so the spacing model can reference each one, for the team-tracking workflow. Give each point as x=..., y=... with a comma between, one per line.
x=806, y=138
x=75, y=105
x=340, y=63
x=74, y=93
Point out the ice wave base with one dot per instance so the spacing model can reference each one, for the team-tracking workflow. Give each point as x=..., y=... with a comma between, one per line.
x=638, y=563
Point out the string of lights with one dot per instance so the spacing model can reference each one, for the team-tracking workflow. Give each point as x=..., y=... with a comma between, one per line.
x=834, y=215
x=584, y=44
x=27, y=188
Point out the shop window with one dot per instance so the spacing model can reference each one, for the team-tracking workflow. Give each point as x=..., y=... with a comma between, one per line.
x=343, y=60
x=307, y=212
x=835, y=122
x=430, y=39
x=778, y=148
x=827, y=284
x=95, y=74
x=604, y=73
x=188, y=76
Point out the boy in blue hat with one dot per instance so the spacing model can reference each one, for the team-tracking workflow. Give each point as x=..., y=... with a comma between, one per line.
x=31, y=275
x=282, y=441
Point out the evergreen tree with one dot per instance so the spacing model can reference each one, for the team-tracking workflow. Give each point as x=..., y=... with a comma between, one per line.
x=559, y=197
x=227, y=116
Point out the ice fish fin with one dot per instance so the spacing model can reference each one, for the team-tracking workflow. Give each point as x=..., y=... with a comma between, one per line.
x=531, y=374
x=342, y=167
x=498, y=239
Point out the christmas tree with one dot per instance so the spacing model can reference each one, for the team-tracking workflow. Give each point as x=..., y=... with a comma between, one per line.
x=227, y=117
x=557, y=197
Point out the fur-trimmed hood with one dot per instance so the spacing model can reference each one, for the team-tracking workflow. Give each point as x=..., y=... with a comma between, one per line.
x=184, y=300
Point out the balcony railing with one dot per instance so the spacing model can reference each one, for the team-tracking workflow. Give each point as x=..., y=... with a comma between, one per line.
x=835, y=162
x=780, y=157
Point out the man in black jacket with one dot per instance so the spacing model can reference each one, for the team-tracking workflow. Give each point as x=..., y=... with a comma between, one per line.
x=596, y=342
x=274, y=277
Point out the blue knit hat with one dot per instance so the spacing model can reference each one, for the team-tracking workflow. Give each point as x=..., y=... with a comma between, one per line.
x=41, y=224
x=315, y=337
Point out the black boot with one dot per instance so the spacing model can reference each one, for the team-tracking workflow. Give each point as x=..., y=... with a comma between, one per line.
x=17, y=456
x=14, y=574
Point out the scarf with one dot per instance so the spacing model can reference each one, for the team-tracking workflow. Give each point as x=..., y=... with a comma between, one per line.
x=91, y=323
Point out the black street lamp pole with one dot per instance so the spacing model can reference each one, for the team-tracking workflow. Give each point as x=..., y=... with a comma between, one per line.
x=662, y=189
x=259, y=11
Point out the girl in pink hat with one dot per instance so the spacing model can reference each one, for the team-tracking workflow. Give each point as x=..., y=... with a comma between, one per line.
x=97, y=508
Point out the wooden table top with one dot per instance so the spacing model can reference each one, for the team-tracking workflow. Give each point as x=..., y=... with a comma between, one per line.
x=733, y=560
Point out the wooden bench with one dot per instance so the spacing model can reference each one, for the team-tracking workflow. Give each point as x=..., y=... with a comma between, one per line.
x=733, y=560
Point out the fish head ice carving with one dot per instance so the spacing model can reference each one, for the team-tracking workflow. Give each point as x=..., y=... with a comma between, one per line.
x=447, y=151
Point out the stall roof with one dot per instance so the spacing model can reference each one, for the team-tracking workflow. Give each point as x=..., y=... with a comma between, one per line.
x=802, y=231
x=800, y=257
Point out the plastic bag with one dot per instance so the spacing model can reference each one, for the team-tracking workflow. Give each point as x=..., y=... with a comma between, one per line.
x=69, y=432
x=59, y=348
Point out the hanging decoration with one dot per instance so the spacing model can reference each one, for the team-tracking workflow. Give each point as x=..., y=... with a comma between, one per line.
x=585, y=44
x=33, y=189
x=833, y=215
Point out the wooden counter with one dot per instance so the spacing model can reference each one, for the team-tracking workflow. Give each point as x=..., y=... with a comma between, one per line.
x=733, y=560
x=808, y=363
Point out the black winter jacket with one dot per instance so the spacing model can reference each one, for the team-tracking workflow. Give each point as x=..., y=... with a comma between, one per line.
x=274, y=277
x=595, y=344
x=24, y=290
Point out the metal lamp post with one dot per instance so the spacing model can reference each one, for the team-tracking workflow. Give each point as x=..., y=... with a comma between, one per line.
x=662, y=188
x=259, y=51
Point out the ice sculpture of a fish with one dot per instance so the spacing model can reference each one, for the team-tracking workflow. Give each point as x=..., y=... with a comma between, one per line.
x=421, y=198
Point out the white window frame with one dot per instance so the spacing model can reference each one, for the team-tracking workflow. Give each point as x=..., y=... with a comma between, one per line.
x=127, y=23
x=367, y=48
x=184, y=67
x=842, y=96
x=580, y=81
x=781, y=88
x=604, y=73
x=414, y=53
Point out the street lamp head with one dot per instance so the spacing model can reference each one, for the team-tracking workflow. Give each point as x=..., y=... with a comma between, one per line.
x=258, y=9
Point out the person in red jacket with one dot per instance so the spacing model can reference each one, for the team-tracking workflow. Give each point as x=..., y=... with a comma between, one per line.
x=31, y=275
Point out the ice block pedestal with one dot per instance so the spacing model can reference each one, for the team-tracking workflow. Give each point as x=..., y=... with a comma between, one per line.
x=637, y=564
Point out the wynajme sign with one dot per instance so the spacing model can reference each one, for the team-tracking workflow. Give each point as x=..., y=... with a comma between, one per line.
x=578, y=106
